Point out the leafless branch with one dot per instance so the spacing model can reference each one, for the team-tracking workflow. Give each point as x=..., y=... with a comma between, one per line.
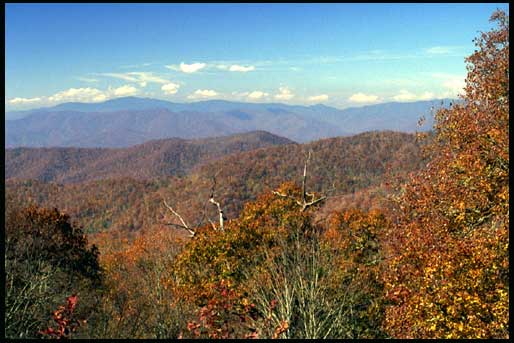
x=184, y=224
x=304, y=203
x=288, y=196
x=212, y=224
x=192, y=230
x=217, y=204
x=304, y=179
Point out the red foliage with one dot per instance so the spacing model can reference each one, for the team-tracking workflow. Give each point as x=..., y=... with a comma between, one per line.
x=64, y=318
x=224, y=316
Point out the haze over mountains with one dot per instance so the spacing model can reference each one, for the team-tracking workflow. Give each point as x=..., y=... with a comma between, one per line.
x=128, y=121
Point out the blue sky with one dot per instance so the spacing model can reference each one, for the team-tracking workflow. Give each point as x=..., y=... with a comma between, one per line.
x=336, y=54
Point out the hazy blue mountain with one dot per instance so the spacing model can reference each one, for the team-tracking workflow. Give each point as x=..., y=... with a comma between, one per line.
x=396, y=116
x=128, y=121
x=134, y=103
x=118, y=104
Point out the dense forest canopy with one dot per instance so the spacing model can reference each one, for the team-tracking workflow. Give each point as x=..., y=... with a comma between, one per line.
x=377, y=235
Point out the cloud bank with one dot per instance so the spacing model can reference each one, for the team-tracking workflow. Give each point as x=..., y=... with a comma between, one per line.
x=284, y=94
x=202, y=93
x=170, y=88
x=363, y=98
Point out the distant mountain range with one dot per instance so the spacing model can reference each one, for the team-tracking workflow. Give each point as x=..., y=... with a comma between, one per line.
x=128, y=121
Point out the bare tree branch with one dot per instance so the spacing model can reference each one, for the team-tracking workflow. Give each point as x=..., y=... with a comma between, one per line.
x=304, y=203
x=184, y=224
x=212, y=224
x=217, y=204
x=200, y=221
x=220, y=213
x=304, y=179
x=288, y=196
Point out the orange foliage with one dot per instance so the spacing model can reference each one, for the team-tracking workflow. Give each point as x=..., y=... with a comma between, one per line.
x=139, y=285
x=448, y=268
x=214, y=256
x=355, y=239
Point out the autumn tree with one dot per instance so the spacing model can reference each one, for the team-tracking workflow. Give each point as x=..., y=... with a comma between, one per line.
x=354, y=239
x=448, y=257
x=139, y=298
x=46, y=260
x=273, y=273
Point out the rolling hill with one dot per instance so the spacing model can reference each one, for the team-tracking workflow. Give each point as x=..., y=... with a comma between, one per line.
x=157, y=158
x=345, y=164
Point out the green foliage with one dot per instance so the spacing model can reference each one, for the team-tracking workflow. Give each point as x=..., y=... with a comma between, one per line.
x=298, y=289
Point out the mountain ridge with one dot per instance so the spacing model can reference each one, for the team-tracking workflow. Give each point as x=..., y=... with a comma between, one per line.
x=155, y=158
x=128, y=121
x=345, y=164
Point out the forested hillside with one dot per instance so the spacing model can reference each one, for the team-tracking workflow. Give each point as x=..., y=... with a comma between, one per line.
x=159, y=158
x=373, y=236
x=341, y=165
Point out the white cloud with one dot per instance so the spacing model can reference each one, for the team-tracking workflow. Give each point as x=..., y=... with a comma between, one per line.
x=23, y=101
x=140, y=77
x=87, y=79
x=79, y=94
x=148, y=77
x=315, y=98
x=363, y=98
x=203, y=93
x=257, y=95
x=191, y=68
x=170, y=88
x=85, y=94
x=454, y=87
x=442, y=50
x=173, y=67
x=121, y=76
x=406, y=96
x=91, y=94
x=284, y=94
x=126, y=90
x=427, y=96
x=452, y=83
x=240, y=68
